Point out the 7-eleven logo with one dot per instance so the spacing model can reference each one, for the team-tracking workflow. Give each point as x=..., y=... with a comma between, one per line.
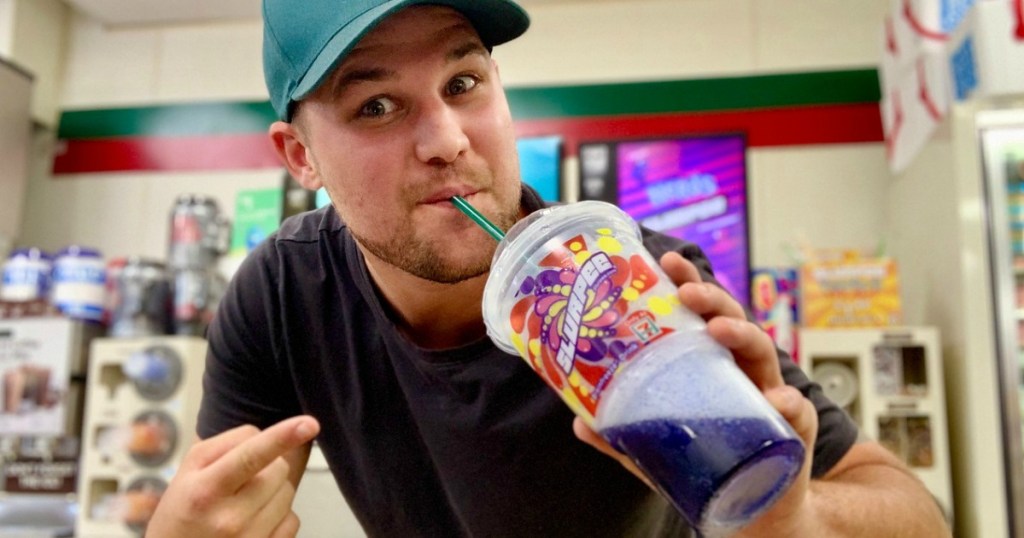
x=643, y=326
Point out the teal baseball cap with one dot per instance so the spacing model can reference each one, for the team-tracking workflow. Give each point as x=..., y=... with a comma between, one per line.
x=305, y=40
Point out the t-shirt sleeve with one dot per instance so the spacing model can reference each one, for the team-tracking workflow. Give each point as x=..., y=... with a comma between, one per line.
x=836, y=430
x=244, y=381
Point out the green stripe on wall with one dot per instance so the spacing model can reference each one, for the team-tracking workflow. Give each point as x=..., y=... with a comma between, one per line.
x=762, y=91
x=528, y=103
x=167, y=120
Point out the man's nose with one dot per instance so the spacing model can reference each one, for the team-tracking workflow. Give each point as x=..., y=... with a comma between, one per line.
x=440, y=137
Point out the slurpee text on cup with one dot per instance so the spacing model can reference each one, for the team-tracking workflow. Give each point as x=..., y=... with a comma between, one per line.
x=574, y=292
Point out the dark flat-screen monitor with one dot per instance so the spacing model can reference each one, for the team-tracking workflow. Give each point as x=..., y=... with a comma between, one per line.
x=691, y=187
x=540, y=163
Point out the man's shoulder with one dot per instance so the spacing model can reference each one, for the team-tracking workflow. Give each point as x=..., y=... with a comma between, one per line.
x=659, y=243
x=306, y=227
x=295, y=247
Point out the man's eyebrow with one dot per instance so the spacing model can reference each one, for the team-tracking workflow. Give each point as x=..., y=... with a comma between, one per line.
x=359, y=75
x=341, y=83
x=471, y=47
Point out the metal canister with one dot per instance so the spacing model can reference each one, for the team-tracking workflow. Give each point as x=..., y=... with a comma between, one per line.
x=199, y=234
x=26, y=275
x=79, y=278
x=111, y=295
x=141, y=299
x=196, y=296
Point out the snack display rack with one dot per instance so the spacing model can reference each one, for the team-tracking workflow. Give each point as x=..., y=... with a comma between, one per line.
x=142, y=398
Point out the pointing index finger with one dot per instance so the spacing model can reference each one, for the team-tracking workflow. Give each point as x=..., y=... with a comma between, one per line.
x=251, y=456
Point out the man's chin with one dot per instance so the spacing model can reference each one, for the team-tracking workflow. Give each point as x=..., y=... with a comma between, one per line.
x=450, y=275
x=444, y=262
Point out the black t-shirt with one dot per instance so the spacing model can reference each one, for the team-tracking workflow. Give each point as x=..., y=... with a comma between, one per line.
x=460, y=442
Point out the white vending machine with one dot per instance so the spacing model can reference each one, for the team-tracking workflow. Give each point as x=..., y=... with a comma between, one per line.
x=142, y=398
x=890, y=380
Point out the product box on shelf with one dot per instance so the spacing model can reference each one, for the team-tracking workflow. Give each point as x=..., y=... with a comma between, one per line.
x=39, y=465
x=850, y=290
x=257, y=215
x=42, y=367
x=775, y=302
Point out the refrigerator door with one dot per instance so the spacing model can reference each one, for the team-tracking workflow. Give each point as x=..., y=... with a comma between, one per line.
x=1001, y=135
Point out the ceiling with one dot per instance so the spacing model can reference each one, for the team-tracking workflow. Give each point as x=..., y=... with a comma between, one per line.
x=133, y=12
x=136, y=12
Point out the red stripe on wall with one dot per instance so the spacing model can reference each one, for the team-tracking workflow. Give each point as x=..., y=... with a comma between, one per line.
x=833, y=124
x=837, y=124
x=162, y=154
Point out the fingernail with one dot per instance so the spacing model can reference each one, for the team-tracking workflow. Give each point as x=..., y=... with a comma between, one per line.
x=304, y=429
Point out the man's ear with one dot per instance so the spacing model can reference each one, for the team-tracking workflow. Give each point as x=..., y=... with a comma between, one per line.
x=292, y=149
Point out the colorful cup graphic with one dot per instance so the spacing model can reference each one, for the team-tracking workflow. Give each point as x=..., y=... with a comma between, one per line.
x=573, y=291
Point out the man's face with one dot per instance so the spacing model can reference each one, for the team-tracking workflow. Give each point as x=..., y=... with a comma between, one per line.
x=414, y=115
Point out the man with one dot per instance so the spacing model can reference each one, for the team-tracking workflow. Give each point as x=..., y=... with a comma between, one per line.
x=360, y=324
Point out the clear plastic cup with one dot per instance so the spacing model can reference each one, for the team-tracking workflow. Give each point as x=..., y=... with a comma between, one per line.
x=573, y=291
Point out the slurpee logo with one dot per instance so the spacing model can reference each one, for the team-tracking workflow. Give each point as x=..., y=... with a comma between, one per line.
x=586, y=311
x=594, y=271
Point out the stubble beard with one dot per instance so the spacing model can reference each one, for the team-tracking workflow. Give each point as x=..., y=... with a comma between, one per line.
x=424, y=259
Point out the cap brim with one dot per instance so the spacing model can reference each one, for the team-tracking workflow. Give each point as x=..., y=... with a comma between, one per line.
x=496, y=21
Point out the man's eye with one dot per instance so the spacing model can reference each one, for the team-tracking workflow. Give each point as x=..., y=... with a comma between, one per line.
x=377, y=107
x=460, y=85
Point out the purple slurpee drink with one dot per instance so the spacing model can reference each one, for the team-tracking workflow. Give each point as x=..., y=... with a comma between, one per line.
x=573, y=291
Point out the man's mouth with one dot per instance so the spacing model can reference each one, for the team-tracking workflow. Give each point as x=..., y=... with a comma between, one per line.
x=444, y=196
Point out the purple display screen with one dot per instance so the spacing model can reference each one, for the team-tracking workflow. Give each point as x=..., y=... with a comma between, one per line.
x=694, y=189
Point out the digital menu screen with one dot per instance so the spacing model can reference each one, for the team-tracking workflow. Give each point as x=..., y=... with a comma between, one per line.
x=540, y=164
x=693, y=188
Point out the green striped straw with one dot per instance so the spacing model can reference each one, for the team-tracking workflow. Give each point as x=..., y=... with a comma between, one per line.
x=481, y=220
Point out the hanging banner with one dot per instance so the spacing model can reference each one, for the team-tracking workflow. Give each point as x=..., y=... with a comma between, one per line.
x=938, y=52
x=995, y=29
x=914, y=75
x=914, y=102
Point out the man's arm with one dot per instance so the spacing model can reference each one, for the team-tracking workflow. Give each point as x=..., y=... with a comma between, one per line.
x=878, y=495
x=868, y=492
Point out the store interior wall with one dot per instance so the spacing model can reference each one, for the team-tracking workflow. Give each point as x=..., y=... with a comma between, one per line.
x=818, y=196
x=36, y=35
x=6, y=28
x=802, y=195
x=936, y=231
x=16, y=86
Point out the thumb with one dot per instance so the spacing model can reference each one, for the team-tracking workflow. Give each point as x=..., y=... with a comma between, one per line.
x=799, y=412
